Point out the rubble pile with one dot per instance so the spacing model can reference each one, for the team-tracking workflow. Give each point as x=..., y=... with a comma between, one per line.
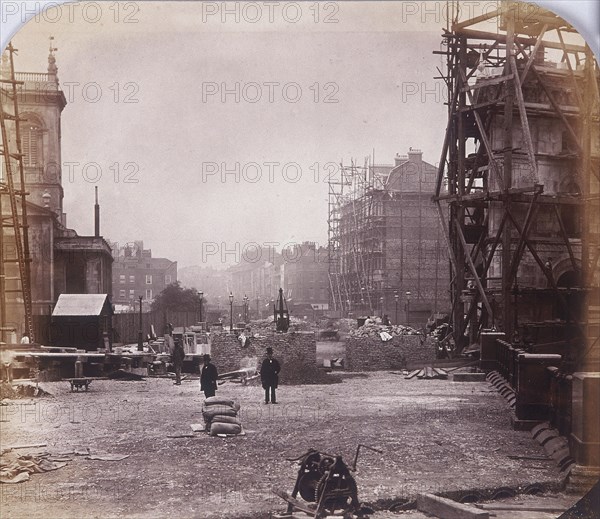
x=346, y=325
x=261, y=326
x=20, y=391
x=374, y=330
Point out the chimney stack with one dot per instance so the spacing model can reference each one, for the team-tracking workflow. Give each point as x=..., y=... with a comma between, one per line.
x=96, y=216
x=415, y=155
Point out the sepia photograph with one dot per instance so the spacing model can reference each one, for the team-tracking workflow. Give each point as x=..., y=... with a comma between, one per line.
x=300, y=259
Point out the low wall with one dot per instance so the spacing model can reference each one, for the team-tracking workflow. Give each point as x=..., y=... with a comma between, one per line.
x=296, y=352
x=372, y=354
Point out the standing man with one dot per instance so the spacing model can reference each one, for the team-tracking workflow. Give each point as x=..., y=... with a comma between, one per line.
x=269, y=375
x=208, y=377
x=177, y=356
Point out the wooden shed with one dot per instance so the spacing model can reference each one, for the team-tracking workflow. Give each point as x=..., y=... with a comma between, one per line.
x=82, y=321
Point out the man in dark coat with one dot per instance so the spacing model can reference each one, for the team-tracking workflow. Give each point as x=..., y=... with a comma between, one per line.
x=177, y=358
x=208, y=377
x=269, y=376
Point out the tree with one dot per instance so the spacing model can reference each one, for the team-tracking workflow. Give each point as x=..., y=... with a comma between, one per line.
x=175, y=298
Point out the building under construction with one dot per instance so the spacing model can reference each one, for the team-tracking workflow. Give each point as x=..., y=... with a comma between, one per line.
x=387, y=254
x=517, y=193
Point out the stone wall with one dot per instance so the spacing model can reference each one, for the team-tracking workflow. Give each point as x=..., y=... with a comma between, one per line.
x=296, y=352
x=372, y=354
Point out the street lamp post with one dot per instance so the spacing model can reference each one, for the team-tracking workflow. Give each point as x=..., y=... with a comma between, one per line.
x=396, y=298
x=245, y=308
x=201, y=294
x=140, y=333
x=381, y=305
x=408, y=308
x=230, y=311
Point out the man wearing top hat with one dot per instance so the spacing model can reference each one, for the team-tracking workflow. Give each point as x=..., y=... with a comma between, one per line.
x=269, y=376
x=208, y=377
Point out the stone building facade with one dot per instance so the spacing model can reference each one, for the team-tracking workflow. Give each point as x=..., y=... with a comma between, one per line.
x=61, y=260
x=391, y=244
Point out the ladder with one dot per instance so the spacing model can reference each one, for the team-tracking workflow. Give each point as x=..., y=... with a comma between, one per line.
x=13, y=217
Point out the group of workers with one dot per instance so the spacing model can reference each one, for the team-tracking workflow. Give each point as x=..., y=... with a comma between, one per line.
x=269, y=373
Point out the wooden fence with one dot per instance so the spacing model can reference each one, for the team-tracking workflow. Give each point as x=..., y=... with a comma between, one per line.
x=127, y=325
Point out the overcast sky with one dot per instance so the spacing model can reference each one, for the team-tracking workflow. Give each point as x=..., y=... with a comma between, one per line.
x=144, y=84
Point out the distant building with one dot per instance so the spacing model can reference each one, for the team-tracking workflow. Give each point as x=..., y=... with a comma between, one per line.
x=305, y=270
x=62, y=262
x=136, y=273
x=210, y=281
x=258, y=276
x=386, y=241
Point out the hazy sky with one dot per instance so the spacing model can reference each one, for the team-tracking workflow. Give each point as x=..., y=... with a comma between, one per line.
x=145, y=81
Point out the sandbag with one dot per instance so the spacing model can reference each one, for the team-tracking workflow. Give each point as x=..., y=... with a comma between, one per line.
x=213, y=410
x=226, y=419
x=224, y=428
x=217, y=400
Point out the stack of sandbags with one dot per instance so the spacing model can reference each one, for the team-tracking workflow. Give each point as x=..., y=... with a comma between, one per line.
x=221, y=416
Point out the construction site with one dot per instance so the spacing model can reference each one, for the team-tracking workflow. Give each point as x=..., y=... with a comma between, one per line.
x=459, y=350
x=386, y=250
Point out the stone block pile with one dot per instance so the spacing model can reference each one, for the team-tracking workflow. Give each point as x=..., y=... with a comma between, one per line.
x=295, y=351
x=373, y=354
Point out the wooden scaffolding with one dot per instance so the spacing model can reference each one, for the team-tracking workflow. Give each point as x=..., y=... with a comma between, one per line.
x=511, y=205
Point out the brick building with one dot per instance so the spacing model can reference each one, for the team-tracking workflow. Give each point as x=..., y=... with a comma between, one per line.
x=136, y=273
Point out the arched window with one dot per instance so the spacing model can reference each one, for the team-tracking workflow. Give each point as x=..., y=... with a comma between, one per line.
x=31, y=141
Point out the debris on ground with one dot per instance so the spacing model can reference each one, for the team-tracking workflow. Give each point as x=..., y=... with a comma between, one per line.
x=16, y=468
x=107, y=457
x=21, y=391
x=428, y=372
x=121, y=374
x=375, y=330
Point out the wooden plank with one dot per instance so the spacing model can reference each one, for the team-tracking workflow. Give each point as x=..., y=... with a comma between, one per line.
x=412, y=374
x=524, y=508
x=471, y=266
x=442, y=363
x=24, y=446
x=448, y=509
x=533, y=52
x=304, y=507
x=477, y=19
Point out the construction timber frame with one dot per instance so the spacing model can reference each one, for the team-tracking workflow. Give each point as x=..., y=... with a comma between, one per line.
x=348, y=190
x=15, y=257
x=494, y=193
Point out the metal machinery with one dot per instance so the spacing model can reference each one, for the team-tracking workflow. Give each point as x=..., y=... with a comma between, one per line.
x=281, y=313
x=325, y=480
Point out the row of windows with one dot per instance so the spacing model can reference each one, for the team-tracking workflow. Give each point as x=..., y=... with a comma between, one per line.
x=123, y=294
x=123, y=277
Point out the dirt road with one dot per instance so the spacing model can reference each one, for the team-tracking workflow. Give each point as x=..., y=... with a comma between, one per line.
x=436, y=436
